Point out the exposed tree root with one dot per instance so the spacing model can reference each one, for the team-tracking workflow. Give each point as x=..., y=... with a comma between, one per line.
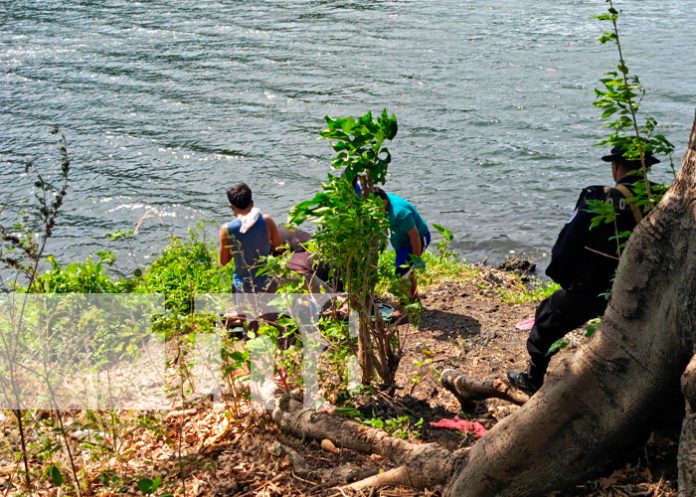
x=468, y=391
x=419, y=465
x=396, y=477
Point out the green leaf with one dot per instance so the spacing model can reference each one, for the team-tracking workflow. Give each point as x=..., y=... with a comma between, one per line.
x=237, y=356
x=556, y=346
x=605, y=17
x=622, y=235
x=54, y=475
x=348, y=125
x=144, y=485
x=374, y=422
x=607, y=36
x=444, y=232
x=592, y=327
x=365, y=119
x=148, y=486
x=348, y=411
x=119, y=235
x=608, y=112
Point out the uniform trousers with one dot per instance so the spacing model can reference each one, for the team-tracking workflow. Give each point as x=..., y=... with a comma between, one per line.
x=555, y=316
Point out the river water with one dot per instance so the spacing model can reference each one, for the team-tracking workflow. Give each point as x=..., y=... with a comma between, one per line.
x=166, y=104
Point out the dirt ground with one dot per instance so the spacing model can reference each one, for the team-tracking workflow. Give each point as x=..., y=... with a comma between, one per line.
x=225, y=449
x=464, y=326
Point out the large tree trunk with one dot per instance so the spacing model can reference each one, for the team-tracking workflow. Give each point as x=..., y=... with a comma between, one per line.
x=595, y=403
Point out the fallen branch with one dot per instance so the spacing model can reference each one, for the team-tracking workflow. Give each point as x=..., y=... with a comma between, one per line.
x=468, y=391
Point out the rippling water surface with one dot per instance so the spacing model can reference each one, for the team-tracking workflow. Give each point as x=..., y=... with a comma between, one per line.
x=166, y=104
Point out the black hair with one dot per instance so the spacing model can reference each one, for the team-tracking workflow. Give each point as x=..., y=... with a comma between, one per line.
x=239, y=196
x=380, y=193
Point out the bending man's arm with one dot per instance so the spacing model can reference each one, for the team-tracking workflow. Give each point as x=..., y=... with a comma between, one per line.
x=415, y=239
x=272, y=229
x=225, y=256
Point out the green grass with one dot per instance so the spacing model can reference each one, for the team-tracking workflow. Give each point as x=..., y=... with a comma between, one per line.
x=438, y=269
x=533, y=292
x=444, y=265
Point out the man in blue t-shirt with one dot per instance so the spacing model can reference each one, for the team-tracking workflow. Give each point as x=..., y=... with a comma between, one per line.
x=409, y=235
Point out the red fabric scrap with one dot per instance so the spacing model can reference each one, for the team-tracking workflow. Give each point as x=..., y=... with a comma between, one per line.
x=460, y=424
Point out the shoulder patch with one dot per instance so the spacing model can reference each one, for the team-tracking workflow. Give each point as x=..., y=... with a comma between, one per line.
x=594, y=192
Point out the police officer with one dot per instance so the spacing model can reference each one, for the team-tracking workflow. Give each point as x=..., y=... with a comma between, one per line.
x=583, y=262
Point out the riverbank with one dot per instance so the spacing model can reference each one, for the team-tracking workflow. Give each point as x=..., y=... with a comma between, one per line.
x=208, y=448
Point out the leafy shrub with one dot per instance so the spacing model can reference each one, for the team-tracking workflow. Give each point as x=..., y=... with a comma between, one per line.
x=352, y=229
x=185, y=268
x=80, y=277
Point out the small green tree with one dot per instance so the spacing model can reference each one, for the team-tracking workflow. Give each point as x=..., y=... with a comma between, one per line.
x=353, y=230
x=620, y=101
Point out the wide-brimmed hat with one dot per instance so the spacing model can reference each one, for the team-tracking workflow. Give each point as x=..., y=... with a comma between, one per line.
x=617, y=155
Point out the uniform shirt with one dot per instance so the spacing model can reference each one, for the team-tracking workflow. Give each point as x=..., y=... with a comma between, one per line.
x=587, y=257
x=402, y=218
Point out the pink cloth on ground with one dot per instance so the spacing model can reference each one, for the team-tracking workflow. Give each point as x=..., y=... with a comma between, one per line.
x=460, y=424
x=525, y=325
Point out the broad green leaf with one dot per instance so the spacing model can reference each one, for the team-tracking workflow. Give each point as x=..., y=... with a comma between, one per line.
x=144, y=485
x=605, y=17
x=556, y=346
x=348, y=411
x=54, y=475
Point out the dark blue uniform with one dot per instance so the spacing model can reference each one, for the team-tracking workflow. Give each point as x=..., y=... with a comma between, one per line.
x=583, y=262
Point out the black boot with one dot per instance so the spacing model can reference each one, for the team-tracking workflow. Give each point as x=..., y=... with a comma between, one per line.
x=526, y=381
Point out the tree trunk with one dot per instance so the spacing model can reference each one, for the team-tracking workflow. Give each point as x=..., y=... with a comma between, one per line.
x=595, y=403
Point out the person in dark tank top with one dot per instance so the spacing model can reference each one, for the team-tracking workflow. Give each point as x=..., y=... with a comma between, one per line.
x=250, y=236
